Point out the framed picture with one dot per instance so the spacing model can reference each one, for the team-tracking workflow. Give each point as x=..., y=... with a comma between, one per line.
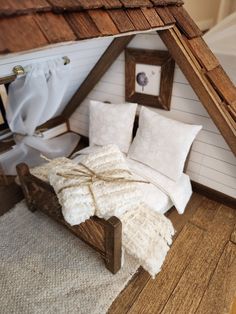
x=3, y=99
x=149, y=76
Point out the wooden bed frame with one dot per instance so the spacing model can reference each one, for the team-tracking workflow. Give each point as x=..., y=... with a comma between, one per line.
x=104, y=236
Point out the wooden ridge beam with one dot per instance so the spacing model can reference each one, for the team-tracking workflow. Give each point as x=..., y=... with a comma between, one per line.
x=202, y=86
x=104, y=63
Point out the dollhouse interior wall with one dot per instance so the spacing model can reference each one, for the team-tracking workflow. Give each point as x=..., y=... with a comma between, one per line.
x=212, y=163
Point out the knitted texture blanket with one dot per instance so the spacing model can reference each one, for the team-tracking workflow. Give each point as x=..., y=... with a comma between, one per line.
x=102, y=185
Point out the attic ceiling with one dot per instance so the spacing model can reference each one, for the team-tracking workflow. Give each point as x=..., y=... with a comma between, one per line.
x=30, y=24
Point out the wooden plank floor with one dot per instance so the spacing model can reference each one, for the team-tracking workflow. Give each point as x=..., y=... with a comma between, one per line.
x=199, y=274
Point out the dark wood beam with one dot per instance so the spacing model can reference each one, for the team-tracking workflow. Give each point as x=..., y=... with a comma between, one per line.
x=104, y=63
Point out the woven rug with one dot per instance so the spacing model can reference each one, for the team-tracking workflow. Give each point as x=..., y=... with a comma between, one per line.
x=46, y=269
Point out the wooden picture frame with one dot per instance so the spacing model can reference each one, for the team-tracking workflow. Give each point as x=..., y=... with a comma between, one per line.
x=160, y=66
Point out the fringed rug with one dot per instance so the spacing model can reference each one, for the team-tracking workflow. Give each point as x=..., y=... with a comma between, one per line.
x=46, y=269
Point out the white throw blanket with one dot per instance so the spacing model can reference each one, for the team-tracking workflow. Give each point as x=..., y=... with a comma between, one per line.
x=146, y=234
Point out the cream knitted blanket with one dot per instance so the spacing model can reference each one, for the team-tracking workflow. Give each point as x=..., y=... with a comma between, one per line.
x=102, y=185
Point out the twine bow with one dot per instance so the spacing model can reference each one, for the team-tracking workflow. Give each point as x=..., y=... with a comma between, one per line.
x=90, y=176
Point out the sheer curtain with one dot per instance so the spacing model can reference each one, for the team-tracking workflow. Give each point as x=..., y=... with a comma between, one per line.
x=32, y=100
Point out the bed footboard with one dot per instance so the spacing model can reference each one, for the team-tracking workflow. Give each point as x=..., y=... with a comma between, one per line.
x=104, y=236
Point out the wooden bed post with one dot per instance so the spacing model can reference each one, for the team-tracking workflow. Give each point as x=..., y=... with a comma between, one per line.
x=113, y=244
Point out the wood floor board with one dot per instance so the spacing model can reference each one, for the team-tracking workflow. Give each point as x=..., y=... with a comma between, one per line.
x=157, y=292
x=233, y=307
x=179, y=221
x=189, y=291
x=219, y=295
x=129, y=295
x=198, y=275
x=204, y=215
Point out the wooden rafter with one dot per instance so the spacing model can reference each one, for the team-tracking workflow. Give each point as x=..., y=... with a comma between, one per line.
x=104, y=63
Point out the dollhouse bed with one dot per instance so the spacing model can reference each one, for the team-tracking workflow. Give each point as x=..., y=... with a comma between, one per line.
x=109, y=124
x=105, y=236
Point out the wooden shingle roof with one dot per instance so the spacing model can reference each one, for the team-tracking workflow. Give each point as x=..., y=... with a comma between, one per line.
x=30, y=24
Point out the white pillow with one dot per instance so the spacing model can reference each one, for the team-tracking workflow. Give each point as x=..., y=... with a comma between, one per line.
x=111, y=124
x=162, y=143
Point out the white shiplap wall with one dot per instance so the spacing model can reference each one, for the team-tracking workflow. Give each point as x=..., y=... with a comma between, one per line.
x=211, y=162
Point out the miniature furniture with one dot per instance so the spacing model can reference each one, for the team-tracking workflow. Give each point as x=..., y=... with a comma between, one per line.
x=103, y=236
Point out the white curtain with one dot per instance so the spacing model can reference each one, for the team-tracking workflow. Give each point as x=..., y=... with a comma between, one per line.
x=222, y=41
x=34, y=99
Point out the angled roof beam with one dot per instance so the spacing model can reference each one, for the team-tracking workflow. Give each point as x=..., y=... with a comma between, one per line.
x=104, y=63
x=203, y=87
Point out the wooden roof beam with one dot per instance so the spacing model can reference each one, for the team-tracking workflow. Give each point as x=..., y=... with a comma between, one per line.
x=104, y=63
